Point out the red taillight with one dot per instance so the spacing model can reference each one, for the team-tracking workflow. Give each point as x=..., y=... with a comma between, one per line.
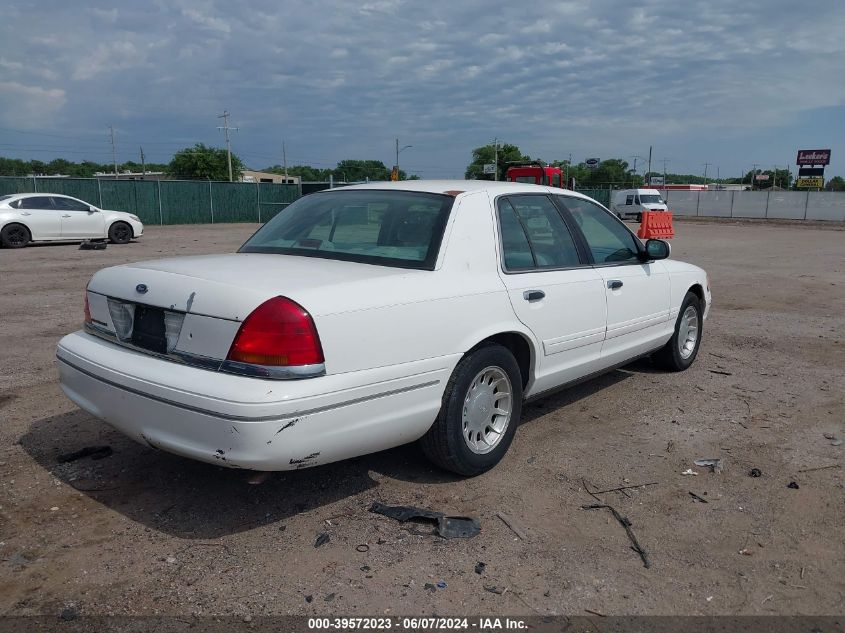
x=279, y=332
x=88, y=318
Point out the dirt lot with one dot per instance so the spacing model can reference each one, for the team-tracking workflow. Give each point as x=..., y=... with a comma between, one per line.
x=142, y=532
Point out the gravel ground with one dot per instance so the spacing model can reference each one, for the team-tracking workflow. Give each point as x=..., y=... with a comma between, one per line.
x=143, y=532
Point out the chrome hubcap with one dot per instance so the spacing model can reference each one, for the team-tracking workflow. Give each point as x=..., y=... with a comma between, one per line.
x=688, y=332
x=487, y=410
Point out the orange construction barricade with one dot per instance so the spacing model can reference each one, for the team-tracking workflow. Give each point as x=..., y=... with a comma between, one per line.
x=656, y=224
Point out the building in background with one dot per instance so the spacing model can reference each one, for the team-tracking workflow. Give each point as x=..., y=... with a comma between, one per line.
x=264, y=176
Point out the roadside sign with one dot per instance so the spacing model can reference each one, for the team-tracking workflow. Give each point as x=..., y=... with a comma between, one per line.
x=656, y=181
x=394, y=174
x=813, y=157
x=761, y=177
x=810, y=183
x=592, y=163
x=489, y=168
x=807, y=172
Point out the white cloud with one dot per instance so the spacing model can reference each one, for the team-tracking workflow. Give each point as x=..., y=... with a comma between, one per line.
x=29, y=107
x=108, y=57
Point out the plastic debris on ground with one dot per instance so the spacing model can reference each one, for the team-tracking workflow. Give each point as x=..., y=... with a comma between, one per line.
x=447, y=527
x=715, y=465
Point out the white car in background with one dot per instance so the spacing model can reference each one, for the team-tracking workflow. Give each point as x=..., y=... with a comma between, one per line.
x=363, y=318
x=48, y=217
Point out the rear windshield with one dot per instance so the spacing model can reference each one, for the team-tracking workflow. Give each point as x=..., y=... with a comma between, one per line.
x=389, y=228
x=651, y=199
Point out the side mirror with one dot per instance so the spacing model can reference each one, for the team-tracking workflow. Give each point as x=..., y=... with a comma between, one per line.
x=92, y=209
x=657, y=249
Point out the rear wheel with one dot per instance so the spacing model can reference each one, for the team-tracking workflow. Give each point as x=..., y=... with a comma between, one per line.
x=681, y=350
x=481, y=409
x=15, y=236
x=639, y=217
x=120, y=233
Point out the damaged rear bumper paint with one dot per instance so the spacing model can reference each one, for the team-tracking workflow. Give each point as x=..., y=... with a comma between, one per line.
x=242, y=422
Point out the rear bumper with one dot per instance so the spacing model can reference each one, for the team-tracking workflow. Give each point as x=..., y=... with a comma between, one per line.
x=247, y=422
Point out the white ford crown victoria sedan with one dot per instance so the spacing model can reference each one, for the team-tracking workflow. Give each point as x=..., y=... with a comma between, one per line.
x=49, y=217
x=363, y=318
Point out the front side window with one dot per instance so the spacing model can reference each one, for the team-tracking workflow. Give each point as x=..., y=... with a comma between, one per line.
x=36, y=202
x=651, y=199
x=389, y=228
x=629, y=199
x=526, y=179
x=69, y=204
x=548, y=241
x=607, y=238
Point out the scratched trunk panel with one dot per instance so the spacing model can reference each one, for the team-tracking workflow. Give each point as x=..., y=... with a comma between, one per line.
x=187, y=292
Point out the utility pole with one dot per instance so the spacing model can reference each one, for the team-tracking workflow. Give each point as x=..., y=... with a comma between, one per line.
x=285, y=161
x=635, y=172
x=113, y=153
x=665, y=160
x=648, y=173
x=496, y=158
x=143, y=164
x=398, y=150
x=225, y=127
x=706, y=165
x=718, y=179
x=753, y=175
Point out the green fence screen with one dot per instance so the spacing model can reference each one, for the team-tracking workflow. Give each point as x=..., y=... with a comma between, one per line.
x=168, y=201
x=185, y=201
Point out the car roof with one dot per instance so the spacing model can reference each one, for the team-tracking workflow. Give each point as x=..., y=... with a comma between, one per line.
x=40, y=194
x=458, y=187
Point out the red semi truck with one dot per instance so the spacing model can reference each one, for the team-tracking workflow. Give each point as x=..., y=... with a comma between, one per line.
x=536, y=173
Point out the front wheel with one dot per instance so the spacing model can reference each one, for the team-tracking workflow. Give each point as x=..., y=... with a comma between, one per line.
x=481, y=409
x=120, y=233
x=681, y=350
x=15, y=236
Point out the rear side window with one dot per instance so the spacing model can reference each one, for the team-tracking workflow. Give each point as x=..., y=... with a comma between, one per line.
x=69, y=204
x=607, y=238
x=629, y=199
x=515, y=247
x=390, y=228
x=543, y=231
x=36, y=202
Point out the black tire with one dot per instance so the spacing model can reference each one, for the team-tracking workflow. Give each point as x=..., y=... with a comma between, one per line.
x=670, y=356
x=639, y=217
x=15, y=236
x=120, y=233
x=444, y=443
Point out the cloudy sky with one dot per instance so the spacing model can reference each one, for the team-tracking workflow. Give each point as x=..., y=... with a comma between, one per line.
x=722, y=82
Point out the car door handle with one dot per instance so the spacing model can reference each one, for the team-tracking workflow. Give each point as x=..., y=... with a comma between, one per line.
x=25, y=213
x=66, y=215
x=615, y=284
x=533, y=295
